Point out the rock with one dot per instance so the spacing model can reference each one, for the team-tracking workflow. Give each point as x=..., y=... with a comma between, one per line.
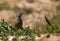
x=12, y=38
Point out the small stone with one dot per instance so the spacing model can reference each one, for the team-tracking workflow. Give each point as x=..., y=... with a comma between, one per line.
x=48, y=36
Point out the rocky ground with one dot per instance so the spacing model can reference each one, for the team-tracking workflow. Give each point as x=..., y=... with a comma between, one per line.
x=44, y=37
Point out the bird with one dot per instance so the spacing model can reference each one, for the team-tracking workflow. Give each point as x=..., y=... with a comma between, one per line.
x=19, y=21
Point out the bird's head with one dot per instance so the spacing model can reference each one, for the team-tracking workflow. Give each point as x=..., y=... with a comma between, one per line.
x=20, y=14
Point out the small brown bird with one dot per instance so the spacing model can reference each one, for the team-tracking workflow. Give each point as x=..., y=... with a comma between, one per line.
x=19, y=22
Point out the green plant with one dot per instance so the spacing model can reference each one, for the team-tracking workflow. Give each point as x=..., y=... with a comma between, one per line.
x=51, y=28
x=24, y=31
x=7, y=29
x=28, y=39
